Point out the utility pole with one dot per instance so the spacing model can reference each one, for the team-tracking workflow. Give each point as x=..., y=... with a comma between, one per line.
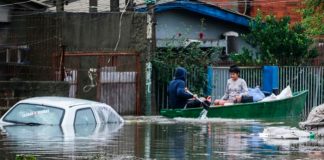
x=59, y=5
x=149, y=95
x=93, y=6
x=114, y=5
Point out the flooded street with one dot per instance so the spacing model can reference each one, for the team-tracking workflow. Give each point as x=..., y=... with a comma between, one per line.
x=155, y=138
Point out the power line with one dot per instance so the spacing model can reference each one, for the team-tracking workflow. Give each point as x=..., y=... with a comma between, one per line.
x=10, y=4
x=120, y=25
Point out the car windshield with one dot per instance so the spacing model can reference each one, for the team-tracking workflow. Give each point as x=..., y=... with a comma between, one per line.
x=34, y=114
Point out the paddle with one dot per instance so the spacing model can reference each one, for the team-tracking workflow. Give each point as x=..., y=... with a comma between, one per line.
x=203, y=113
x=205, y=106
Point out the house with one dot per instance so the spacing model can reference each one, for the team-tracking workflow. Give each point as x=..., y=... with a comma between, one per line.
x=193, y=21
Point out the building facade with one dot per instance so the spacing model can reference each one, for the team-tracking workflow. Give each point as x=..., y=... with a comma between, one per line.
x=251, y=7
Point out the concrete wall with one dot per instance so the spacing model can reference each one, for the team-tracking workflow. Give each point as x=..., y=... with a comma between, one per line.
x=4, y=14
x=11, y=91
x=85, y=32
x=100, y=31
x=4, y=23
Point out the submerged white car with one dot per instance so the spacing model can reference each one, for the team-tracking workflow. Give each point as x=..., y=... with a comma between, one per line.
x=59, y=111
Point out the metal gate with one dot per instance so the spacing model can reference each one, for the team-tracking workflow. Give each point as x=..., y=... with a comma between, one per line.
x=111, y=78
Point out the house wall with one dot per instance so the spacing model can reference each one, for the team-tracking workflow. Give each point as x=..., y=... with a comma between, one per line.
x=279, y=9
x=4, y=14
x=227, y=4
x=100, y=31
x=275, y=7
x=180, y=24
x=81, y=32
x=4, y=22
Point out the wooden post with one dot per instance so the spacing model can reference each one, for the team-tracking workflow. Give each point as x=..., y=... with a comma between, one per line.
x=62, y=63
x=93, y=6
x=138, y=85
x=59, y=5
x=7, y=55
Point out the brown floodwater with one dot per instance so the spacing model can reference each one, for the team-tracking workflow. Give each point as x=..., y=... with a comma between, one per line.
x=154, y=138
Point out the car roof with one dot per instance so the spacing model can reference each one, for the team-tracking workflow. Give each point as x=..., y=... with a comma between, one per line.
x=60, y=102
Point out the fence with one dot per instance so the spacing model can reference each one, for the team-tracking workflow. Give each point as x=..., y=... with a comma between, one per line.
x=161, y=78
x=309, y=78
x=219, y=79
x=252, y=76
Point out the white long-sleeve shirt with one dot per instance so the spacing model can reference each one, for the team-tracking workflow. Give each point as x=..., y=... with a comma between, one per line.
x=235, y=88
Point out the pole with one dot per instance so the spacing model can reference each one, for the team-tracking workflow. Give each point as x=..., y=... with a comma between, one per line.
x=148, y=66
x=93, y=6
x=62, y=72
x=59, y=5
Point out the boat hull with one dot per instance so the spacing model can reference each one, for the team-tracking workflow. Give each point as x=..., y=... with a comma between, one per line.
x=278, y=109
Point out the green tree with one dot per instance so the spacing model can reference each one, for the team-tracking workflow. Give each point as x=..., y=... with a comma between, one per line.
x=313, y=16
x=278, y=42
x=194, y=58
x=245, y=58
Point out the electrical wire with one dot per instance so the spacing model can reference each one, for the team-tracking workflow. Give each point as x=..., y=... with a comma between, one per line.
x=10, y=4
x=120, y=25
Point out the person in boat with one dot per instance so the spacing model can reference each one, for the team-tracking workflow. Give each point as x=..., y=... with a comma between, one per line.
x=236, y=88
x=179, y=95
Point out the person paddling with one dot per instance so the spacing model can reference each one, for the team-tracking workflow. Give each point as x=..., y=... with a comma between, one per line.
x=179, y=95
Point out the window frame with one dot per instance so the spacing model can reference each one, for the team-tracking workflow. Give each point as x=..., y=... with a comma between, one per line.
x=75, y=113
x=61, y=119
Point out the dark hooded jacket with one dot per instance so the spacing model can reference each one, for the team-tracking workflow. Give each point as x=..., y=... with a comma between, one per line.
x=177, y=96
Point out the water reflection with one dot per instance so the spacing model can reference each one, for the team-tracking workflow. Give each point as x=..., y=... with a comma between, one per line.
x=54, y=141
x=149, y=139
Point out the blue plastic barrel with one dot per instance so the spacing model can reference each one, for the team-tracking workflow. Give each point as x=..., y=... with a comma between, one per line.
x=208, y=90
x=270, y=80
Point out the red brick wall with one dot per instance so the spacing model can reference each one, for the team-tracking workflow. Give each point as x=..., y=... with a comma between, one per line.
x=279, y=8
x=227, y=4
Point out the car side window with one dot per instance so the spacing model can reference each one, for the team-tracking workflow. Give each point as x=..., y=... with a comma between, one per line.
x=84, y=116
